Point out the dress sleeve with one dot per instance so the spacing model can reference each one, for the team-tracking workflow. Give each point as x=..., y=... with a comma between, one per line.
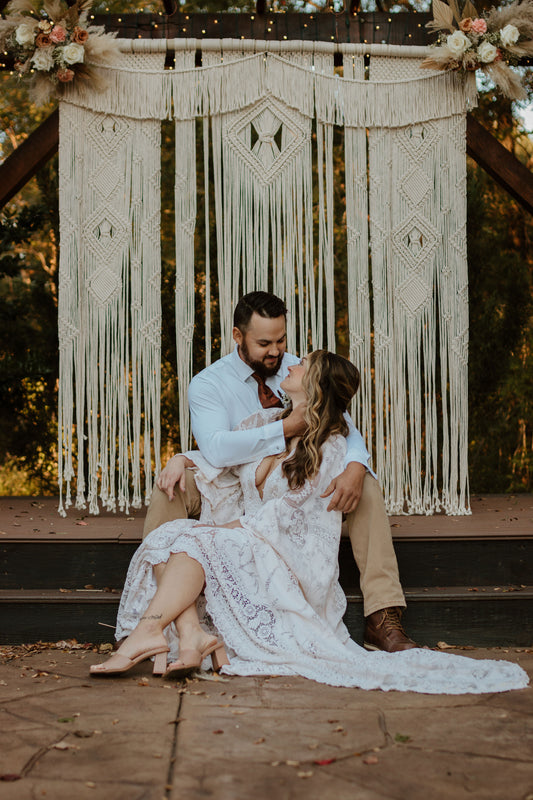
x=221, y=445
x=221, y=491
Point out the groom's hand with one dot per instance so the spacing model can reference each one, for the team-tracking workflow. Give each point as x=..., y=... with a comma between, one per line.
x=346, y=488
x=295, y=424
x=173, y=473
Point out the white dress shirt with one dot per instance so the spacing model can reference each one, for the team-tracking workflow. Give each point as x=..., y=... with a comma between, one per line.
x=224, y=394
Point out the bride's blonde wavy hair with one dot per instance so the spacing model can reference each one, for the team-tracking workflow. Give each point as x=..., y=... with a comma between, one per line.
x=330, y=382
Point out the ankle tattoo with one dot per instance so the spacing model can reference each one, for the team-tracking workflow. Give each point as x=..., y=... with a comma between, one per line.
x=151, y=616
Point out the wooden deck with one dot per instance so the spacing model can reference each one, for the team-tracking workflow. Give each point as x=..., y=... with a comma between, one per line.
x=37, y=519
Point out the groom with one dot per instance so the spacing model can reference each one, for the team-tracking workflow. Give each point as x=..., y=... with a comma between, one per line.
x=234, y=387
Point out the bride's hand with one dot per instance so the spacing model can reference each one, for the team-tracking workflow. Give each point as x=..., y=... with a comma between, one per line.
x=172, y=474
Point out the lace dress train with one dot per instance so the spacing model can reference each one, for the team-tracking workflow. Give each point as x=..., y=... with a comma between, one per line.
x=272, y=588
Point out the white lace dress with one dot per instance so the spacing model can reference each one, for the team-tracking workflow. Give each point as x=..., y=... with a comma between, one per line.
x=272, y=588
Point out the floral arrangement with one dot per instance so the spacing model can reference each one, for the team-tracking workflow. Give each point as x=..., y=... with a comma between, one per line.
x=492, y=43
x=53, y=44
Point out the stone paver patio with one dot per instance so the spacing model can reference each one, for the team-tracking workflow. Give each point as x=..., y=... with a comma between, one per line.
x=137, y=737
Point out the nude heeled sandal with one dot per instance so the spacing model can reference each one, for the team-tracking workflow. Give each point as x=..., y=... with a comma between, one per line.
x=125, y=663
x=191, y=660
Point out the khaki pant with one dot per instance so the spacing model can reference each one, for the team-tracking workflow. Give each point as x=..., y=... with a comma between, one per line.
x=368, y=527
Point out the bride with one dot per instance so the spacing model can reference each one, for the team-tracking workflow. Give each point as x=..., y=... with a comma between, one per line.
x=265, y=553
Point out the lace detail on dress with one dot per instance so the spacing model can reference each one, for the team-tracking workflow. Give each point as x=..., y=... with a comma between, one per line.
x=272, y=588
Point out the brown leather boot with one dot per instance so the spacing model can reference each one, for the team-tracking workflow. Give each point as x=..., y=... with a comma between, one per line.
x=383, y=631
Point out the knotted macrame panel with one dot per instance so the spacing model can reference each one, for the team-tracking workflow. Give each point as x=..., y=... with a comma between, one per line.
x=109, y=307
x=417, y=191
x=267, y=140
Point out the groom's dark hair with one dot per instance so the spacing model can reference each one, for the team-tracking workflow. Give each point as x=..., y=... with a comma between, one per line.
x=263, y=303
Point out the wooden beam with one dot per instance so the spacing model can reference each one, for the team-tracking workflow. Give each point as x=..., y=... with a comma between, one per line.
x=29, y=157
x=381, y=28
x=499, y=163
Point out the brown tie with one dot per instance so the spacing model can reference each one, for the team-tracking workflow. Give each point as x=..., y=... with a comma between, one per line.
x=267, y=397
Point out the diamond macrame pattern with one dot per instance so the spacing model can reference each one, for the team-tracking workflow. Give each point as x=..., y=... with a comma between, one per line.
x=107, y=132
x=414, y=293
x=105, y=180
x=104, y=285
x=415, y=186
x=416, y=140
x=104, y=232
x=415, y=239
x=267, y=136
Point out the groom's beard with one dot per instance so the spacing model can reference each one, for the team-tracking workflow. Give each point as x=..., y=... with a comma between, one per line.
x=265, y=370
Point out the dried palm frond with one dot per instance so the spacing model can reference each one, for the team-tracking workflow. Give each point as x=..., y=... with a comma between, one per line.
x=455, y=10
x=506, y=80
x=55, y=9
x=469, y=10
x=442, y=17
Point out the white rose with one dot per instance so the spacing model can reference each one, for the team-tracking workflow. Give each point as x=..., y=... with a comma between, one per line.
x=42, y=59
x=25, y=34
x=458, y=43
x=509, y=35
x=487, y=52
x=73, y=53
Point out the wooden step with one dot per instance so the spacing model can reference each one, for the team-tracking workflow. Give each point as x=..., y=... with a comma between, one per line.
x=103, y=563
x=461, y=615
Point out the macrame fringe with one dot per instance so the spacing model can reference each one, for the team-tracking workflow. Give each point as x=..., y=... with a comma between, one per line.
x=234, y=84
x=109, y=308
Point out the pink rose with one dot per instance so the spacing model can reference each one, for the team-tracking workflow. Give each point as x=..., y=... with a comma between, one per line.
x=65, y=75
x=58, y=34
x=479, y=25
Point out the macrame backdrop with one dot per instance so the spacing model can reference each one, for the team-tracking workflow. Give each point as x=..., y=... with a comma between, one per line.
x=267, y=147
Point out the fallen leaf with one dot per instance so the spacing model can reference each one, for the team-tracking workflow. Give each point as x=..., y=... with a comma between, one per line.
x=66, y=719
x=143, y=682
x=65, y=746
x=3, y=683
x=81, y=734
x=10, y=776
x=218, y=731
x=115, y=722
x=275, y=763
x=338, y=729
x=331, y=721
x=239, y=711
x=292, y=763
x=401, y=738
x=90, y=784
x=85, y=524
x=157, y=755
x=371, y=760
x=305, y=774
x=312, y=746
x=445, y=646
x=260, y=741
x=323, y=762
